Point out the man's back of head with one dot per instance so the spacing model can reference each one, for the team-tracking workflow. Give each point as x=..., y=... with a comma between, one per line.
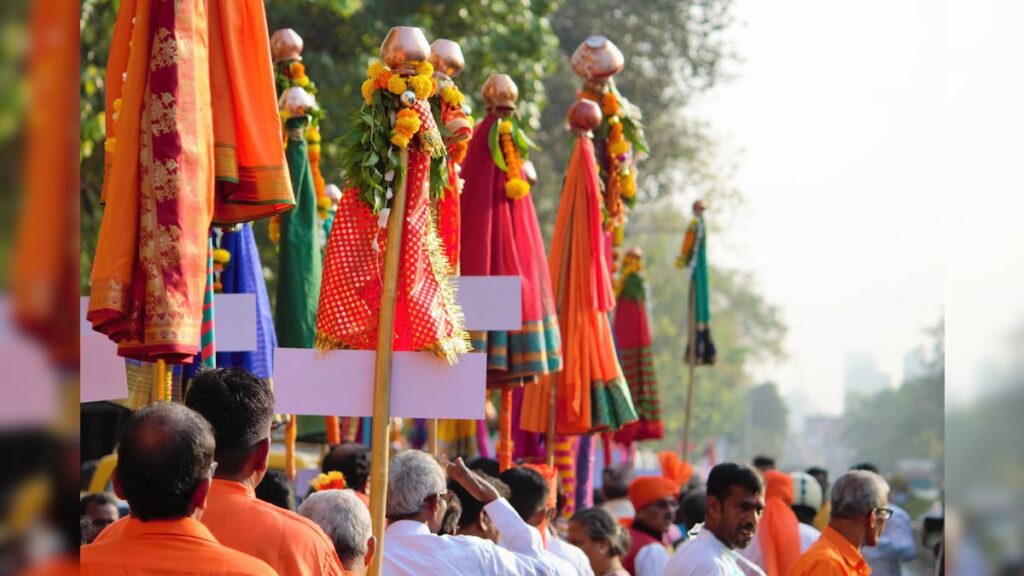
x=473, y=521
x=240, y=407
x=615, y=481
x=346, y=521
x=351, y=459
x=764, y=463
x=529, y=492
x=165, y=453
x=277, y=489
x=413, y=477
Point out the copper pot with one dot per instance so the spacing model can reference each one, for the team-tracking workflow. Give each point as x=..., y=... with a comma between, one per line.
x=404, y=48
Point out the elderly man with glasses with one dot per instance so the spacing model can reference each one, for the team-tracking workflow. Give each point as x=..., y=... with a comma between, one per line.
x=859, y=511
x=416, y=505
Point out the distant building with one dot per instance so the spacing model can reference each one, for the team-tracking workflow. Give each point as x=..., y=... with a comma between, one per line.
x=861, y=375
x=820, y=444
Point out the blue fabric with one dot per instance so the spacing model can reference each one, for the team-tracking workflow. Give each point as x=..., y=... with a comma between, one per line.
x=244, y=275
x=896, y=546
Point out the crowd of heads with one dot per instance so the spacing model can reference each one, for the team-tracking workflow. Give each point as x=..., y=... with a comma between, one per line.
x=169, y=453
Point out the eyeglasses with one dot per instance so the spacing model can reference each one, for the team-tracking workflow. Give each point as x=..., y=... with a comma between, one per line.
x=883, y=513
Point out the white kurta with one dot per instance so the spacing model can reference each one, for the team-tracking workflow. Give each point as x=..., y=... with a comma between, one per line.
x=410, y=549
x=571, y=554
x=705, y=555
x=651, y=560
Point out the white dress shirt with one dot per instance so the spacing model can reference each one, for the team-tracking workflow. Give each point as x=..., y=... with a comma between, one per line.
x=571, y=554
x=705, y=555
x=410, y=549
x=651, y=560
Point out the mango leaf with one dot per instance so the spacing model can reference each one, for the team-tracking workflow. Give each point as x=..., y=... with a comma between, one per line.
x=493, y=143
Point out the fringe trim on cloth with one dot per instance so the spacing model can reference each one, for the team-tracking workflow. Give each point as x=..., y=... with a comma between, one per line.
x=447, y=348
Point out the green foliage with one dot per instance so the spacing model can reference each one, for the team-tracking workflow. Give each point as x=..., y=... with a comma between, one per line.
x=906, y=422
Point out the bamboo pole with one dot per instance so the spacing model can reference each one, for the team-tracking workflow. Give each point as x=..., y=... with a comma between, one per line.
x=432, y=436
x=381, y=433
x=505, y=430
x=691, y=356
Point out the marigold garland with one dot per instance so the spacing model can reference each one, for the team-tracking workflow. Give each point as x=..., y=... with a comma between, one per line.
x=332, y=480
x=515, y=187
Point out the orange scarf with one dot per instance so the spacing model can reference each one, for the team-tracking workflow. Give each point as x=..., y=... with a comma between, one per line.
x=779, y=529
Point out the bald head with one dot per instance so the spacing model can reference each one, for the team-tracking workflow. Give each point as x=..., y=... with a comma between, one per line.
x=164, y=453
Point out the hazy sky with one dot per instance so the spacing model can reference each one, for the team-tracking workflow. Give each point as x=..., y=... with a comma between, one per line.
x=859, y=127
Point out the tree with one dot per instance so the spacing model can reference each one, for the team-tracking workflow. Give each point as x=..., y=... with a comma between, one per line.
x=765, y=427
x=906, y=422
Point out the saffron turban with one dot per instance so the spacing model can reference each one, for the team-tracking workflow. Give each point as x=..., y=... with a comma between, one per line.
x=647, y=489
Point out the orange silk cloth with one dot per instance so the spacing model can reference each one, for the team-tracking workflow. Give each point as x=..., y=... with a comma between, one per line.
x=290, y=543
x=449, y=213
x=132, y=547
x=779, y=530
x=584, y=295
x=166, y=113
x=426, y=315
x=831, y=555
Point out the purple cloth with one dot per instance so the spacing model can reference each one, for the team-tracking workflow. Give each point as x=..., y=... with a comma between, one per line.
x=585, y=472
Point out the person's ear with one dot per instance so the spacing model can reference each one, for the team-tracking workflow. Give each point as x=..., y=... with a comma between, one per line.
x=485, y=524
x=261, y=455
x=115, y=478
x=552, y=512
x=371, y=550
x=199, y=496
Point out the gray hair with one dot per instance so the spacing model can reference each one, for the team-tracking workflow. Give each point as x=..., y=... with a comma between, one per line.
x=857, y=492
x=345, y=519
x=413, y=477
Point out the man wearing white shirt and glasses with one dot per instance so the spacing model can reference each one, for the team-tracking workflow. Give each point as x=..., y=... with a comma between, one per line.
x=735, y=494
x=417, y=501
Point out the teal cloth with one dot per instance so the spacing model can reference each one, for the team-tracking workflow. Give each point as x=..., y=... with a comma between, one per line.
x=301, y=264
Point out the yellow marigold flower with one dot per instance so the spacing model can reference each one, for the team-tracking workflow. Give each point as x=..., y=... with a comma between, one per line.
x=396, y=85
x=628, y=186
x=221, y=256
x=423, y=86
x=117, y=105
x=374, y=69
x=400, y=140
x=517, y=188
x=368, y=88
x=301, y=81
x=425, y=69
x=110, y=144
x=323, y=203
x=313, y=134
x=452, y=96
x=618, y=147
x=274, y=230
x=505, y=127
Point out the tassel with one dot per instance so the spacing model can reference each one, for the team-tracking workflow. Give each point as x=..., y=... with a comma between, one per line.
x=505, y=430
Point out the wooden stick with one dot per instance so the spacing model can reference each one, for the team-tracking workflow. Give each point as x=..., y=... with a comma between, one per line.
x=691, y=354
x=432, y=436
x=166, y=393
x=381, y=434
x=505, y=430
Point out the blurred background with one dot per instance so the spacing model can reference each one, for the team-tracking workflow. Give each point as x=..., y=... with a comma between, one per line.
x=860, y=166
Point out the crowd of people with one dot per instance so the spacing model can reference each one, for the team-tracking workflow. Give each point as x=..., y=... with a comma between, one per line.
x=202, y=501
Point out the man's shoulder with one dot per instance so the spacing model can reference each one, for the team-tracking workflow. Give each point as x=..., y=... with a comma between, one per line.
x=196, y=556
x=817, y=562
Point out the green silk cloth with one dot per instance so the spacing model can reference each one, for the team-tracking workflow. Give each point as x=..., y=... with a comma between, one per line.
x=300, y=262
x=700, y=274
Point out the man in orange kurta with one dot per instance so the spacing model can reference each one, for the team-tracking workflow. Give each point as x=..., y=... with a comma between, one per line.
x=240, y=407
x=165, y=460
x=859, y=499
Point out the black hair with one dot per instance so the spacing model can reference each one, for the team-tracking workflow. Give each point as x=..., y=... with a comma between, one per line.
x=821, y=475
x=600, y=525
x=615, y=481
x=97, y=498
x=164, y=452
x=693, y=508
x=277, y=489
x=529, y=490
x=866, y=466
x=239, y=406
x=804, y=513
x=351, y=459
x=728, y=474
x=452, y=517
x=763, y=462
x=488, y=466
x=471, y=507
